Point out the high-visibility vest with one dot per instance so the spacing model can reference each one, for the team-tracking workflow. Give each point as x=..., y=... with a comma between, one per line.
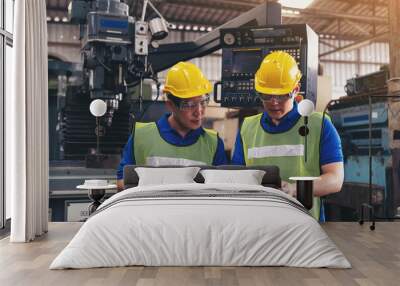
x=284, y=149
x=151, y=149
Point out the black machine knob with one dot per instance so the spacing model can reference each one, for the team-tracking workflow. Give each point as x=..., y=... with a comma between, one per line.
x=216, y=91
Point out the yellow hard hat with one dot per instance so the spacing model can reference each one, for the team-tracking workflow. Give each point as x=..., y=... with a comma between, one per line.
x=185, y=80
x=278, y=74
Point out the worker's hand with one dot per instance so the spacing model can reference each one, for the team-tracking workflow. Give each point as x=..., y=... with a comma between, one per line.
x=120, y=185
x=289, y=189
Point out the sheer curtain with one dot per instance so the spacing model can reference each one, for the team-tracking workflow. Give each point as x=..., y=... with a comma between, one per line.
x=27, y=124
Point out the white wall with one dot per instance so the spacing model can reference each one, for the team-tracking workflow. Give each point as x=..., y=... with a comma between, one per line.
x=210, y=64
x=366, y=60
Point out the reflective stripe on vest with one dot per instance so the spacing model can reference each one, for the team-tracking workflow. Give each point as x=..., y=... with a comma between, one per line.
x=276, y=151
x=151, y=149
x=285, y=150
x=160, y=161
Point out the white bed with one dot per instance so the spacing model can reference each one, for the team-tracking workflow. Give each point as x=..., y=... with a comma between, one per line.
x=201, y=224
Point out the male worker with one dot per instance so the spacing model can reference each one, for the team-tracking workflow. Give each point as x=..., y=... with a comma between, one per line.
x=272, y=137
x=177, y=138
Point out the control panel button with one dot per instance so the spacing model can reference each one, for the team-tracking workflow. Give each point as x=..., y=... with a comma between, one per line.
x=229, y=39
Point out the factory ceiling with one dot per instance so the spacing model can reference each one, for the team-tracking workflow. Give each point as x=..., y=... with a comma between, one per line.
x=359, y=20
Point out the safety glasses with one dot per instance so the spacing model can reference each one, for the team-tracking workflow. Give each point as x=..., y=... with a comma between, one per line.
x=278, y=98
x=193, y=105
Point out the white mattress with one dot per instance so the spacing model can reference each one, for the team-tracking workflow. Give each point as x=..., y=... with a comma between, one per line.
x=184, y=230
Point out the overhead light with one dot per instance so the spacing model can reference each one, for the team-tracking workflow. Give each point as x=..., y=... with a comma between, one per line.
x=287, y=11
x=48, y=18
x=180, y=27
x=195, y=28
x=56, y=19
x=299, y=4
x=65, y=19
x=209, y=29
x=188, y=28
x=202, y=28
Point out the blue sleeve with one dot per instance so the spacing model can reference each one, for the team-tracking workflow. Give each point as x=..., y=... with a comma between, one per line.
x=127, y=158
x=331, y=146
x=238, y=155
x=220, y=155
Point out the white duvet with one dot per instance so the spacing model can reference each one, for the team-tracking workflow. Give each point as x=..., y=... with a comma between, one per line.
x=185, y=230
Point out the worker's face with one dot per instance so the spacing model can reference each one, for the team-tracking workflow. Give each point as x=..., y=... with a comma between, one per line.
x=277, y=106
x=190, y=112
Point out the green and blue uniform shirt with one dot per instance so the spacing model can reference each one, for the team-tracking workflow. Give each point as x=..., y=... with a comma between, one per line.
x=259, y=137
x=162, y=134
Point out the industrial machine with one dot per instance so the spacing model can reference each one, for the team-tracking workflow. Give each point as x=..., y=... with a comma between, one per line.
x=368, y=83
x=243, y=50
x=364, y=140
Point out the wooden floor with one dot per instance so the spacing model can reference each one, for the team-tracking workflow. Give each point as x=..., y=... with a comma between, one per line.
x=375, y=256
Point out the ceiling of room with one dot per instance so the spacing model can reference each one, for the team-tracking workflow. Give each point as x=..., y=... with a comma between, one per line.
x=359, y=20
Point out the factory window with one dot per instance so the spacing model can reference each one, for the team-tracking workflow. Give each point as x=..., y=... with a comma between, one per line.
x=6, y=45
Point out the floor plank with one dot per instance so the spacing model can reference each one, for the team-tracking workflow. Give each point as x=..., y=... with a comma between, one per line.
x=375, y=257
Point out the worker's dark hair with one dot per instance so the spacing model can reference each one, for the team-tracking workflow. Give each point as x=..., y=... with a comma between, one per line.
x=175, y=100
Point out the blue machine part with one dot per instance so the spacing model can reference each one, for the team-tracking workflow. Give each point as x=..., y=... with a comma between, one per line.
x=352, y=124
x=114, y=28
x=359, y=115
x=113, y=24
x=357, y=169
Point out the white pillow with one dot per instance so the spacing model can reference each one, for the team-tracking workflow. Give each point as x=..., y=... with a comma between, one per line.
x=248, y=177
x=164, y=176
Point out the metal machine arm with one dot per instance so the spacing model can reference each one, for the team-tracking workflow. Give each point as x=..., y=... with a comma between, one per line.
x=167, y=55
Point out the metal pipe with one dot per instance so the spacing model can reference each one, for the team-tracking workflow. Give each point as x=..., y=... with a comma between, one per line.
x=97, y=136
x=144, y=10
x=370, y=149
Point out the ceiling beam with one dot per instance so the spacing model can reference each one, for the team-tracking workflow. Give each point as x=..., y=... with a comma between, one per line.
x=222, y=4
x=297, y=13
x=329, y=23
x=237, y=5
x=316, y=13
x=327, y=44
x=247, y=4
x=352, y=62
x=210, y=10
x=358, y=27
x=379, y=3
x=357, y=45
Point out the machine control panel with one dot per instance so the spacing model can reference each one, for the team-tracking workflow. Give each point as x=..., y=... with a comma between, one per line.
x=244, y=49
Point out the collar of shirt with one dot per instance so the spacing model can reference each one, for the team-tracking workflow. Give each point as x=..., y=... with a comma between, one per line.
x=172, y=137
x=287, y=122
